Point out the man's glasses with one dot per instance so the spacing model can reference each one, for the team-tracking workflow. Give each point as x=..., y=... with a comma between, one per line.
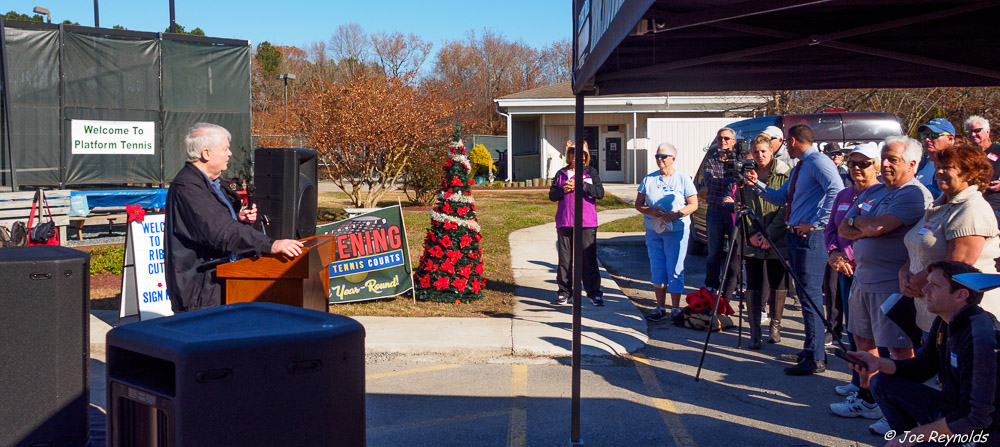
x=860, y=164
x=934, y=136
x=663, y=156
x=834, y=154
x=725, y=138
x=972, y=131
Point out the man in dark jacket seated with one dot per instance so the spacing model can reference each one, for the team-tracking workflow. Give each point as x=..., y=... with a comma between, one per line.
x=202, y=225
x=961, y=351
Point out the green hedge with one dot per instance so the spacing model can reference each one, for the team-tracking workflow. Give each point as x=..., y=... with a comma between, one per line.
x=109, y=258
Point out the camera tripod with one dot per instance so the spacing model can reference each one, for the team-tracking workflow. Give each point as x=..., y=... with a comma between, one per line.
x=738, y=236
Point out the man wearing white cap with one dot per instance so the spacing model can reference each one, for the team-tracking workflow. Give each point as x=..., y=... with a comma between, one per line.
x=778, y=145
x=877, y=222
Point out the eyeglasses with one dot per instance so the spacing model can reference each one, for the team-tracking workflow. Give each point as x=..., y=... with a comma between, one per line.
x=725, y=138
x=860, y=164
x=934, y=136
x=663, y=156
x=834, y=154
x=972, y=131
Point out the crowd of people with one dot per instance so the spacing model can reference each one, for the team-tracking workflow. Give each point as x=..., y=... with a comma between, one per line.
x=866, y=229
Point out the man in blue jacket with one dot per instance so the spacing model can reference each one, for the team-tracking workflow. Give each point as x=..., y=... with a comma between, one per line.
x=961, y=351
x=202, y=225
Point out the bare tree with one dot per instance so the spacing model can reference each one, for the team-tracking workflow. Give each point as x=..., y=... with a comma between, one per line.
x=350, y=43
x=400, y=56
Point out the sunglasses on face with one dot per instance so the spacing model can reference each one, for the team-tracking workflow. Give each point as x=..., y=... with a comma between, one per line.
x=725, y=138
x=860, y=164
x=934, y=136
x=972, y=131
x=663, y=156
x=835, y=154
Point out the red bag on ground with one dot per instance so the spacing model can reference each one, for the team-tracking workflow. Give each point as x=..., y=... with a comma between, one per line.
x=44, y=233
x=704, y=300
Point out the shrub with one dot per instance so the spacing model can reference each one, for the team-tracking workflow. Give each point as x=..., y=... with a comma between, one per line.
x=482, y=161
x=422, y=176
x=110, y=258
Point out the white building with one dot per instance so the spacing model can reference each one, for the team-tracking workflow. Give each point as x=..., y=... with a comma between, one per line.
x=622, y=131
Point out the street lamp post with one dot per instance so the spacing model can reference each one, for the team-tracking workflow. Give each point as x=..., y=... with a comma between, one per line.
x=41, y=10
x=286, y=77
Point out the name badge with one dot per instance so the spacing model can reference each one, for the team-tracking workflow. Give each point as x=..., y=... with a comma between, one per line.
x=954, y=360
x=992, y=157
x=843, y=207
x=588, y=181
x=924, y=230
x=866, y=206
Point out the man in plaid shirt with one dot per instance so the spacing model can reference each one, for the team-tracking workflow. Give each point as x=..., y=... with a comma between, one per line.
x=719, y=218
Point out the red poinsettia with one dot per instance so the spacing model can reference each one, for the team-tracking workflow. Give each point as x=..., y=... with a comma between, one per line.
x=445, y=241
x=447, y=194
x=455, y=181
x=430, y=266
x=473, y=254
x=449, y=163
x=430, y=235
x=449, y=225
x=425, y=281
x=135, y=213
x=463, y=210
x=446, y=208
x=479, y=269
x=460, y=283
x=453, y=255
x=478, y=237
x=475, y=286
x=447, y=266
x=441, y=283
x=472, y=182
x=436, y=251
x=465, y=271
x=466, y=240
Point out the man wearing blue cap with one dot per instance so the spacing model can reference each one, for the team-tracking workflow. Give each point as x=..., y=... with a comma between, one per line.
x=937, y=134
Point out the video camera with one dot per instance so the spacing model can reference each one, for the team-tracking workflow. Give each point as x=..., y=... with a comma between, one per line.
x=735, y=161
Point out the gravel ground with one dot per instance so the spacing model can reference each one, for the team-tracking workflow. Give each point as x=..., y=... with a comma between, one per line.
x=96, y=235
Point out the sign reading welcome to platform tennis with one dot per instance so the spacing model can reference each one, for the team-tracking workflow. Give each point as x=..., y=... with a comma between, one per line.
x=371, y=258
x=113, y=137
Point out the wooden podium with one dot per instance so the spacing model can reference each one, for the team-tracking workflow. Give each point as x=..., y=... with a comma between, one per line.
x=303, y=281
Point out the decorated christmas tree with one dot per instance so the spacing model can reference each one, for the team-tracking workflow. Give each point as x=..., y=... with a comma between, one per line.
x=451, y=268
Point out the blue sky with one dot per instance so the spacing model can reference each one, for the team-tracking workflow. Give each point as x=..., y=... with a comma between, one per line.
x=300, y=22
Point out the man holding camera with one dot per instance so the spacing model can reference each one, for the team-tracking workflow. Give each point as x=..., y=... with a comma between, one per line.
x=808, y=197
x=719, y=219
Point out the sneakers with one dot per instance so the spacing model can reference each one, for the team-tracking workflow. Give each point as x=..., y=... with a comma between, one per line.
x=597, y=300
x=880, y=427
x=791, y=358
x=562, y=300
x=675, y=311
x=806, y=367
x=658, y=314
x=764, y=319
x=846, y=390
x=855, y=407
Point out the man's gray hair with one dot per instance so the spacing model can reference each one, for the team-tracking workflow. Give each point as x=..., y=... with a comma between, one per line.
x=725, y=129
x=912, y=149
x=667, y=149
x=204, y=135
x=976, y=119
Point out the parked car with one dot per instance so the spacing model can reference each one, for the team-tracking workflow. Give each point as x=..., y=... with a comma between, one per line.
x=840, y=128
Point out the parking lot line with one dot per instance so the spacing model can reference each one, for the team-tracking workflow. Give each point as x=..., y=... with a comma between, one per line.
x=669, y=414
x=517, y=432
x=411, y=371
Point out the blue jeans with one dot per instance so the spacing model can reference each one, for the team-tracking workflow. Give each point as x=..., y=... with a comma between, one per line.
x=907, y=404
x=807, y=258
x=718, y=226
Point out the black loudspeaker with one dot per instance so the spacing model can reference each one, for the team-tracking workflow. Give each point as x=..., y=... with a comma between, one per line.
x=243, y=374
x=44, y=346
x=286, y=182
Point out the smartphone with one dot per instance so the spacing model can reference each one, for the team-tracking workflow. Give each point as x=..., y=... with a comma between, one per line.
x=849, y=359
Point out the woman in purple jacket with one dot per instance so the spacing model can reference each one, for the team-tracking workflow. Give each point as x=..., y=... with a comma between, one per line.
x=562, y=191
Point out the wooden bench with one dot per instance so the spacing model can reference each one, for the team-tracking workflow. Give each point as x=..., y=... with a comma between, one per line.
x=78, y=222
x=16, y=206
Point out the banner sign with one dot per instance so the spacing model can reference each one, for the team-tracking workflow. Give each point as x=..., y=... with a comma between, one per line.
x=144, y=282
x=112, y=137
x=371, y=258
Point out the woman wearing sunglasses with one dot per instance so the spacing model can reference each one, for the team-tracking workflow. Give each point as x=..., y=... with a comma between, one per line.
x=666, y=198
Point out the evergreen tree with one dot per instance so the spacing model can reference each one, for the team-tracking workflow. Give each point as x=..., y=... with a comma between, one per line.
x=451, y=268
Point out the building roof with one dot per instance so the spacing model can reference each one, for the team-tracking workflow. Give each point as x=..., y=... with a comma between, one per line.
x=565, y=90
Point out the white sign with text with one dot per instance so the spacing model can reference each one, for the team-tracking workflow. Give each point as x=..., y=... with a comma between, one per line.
x=144, y=285
x=112, y=137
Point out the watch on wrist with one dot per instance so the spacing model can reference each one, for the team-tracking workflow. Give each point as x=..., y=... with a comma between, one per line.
x=851, y=221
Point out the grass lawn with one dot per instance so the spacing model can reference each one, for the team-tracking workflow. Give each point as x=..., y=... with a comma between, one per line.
x=499, y=212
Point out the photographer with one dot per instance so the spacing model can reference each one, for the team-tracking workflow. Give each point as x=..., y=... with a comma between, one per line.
x=719, y=219
x=757, y=253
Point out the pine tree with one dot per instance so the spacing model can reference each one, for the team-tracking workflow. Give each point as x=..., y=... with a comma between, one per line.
x=451, y=268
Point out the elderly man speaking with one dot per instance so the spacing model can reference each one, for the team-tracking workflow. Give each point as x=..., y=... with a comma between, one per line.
x=203, y=225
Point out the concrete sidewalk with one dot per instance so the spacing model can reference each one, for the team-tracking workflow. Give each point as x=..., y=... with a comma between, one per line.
x=537, y=328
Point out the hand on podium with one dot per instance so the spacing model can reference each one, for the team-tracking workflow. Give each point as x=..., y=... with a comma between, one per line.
x=287, y=247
